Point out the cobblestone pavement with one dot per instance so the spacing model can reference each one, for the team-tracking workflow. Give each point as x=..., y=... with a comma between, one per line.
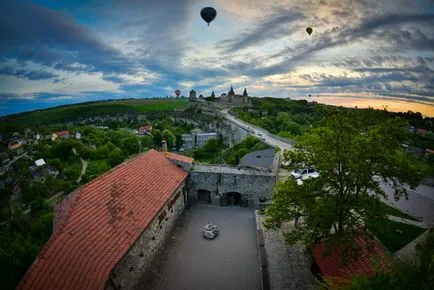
x=288, y=266
x=188, y=261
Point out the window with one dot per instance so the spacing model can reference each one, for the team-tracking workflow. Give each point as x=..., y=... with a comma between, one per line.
x=173, y=200
x=141, y=254
x=311, y=170
x=161, y=217
x=131, y=269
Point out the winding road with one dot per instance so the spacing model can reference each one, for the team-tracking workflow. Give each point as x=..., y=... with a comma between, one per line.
x=420, y=202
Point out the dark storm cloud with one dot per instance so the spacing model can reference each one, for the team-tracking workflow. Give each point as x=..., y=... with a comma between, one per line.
x=275, y=27
x=22, y=73
x=32, y=33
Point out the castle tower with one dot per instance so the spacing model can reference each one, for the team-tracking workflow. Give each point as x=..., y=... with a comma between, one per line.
x=212, y=94
x=245, y=93
x=192, y=96
x=231, y=92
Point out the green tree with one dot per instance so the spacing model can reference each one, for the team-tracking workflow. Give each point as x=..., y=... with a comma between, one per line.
x=116, y=157
x=179, y=141
x=158, y=138
x=130, y=145
x=147, y=142
x=353, y=151
x=169, y=137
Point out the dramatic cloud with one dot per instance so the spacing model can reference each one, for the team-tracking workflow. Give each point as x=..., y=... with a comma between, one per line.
x=67, y=52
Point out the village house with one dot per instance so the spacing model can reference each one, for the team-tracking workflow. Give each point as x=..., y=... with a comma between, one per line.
x=40, y=162
x=421, y=132
x=61, y=135
x=77, y=135
x=145, y=129
x=372, y=256
x=107, y=232
x=15, y=144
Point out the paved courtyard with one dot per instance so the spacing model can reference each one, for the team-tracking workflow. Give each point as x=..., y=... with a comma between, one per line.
x=188, y=261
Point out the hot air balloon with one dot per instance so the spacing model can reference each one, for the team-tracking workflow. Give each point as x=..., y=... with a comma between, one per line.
x=309, y=30
x=208, y=14
x=177, y=92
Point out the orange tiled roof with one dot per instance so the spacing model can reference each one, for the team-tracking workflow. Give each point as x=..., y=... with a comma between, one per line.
x=62, y=133
x=97, y=224
x=178, y=157
x=373, y=256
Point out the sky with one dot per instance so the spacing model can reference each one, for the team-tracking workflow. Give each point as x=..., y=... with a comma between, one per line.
x=361, y=52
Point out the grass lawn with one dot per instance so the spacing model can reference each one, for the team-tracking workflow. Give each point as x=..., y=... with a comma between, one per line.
x=85, y=110
x=396, y=212
x=394, y=235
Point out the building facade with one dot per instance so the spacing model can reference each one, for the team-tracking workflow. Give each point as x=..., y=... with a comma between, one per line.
x=197, y=139
x=107, y=232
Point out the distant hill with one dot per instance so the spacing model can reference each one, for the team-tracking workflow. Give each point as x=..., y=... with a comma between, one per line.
x=91, y=109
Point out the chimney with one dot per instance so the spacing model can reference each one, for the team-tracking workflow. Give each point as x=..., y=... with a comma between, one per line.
x=164, y=146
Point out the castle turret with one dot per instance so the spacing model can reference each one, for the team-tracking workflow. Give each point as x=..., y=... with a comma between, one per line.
x=231, y=92
x=245, y=93
x=212, y=94
x=192, y=96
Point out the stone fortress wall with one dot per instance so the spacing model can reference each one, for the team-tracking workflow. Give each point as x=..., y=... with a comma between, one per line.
x=220, y=180
x=137, y=261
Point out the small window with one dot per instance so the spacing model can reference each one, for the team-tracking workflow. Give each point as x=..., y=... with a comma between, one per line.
x=131, y=269
x=153, y=238
x=311, y=170
x=304, y=171
x=161, y=217
x=141, y=254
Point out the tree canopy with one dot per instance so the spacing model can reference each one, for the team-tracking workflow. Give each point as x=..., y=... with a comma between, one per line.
x=354, y=151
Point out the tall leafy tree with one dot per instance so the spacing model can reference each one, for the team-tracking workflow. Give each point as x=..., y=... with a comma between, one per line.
x=169, y=137
x=354, y=151
x=156, y=134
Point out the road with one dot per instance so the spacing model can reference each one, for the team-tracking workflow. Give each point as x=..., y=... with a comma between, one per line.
x=258, y=132
x=420, y=202
x=417, y=204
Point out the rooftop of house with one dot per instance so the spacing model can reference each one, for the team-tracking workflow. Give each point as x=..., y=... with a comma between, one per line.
x=97, y=224
x=40, y=162
x=261, y=158
x=61, y=133
x=178, y=157
x=373, y=255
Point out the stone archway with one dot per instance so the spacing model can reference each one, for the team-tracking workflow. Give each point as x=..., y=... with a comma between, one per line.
x=204, y=196
x=232, y=198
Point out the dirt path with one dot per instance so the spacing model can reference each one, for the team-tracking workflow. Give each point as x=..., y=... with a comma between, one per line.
x=83, y=169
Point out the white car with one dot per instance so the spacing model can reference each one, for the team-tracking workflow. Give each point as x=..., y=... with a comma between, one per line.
x=304, y=173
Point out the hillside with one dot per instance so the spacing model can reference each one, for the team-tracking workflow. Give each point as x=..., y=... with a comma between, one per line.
x=85, y=110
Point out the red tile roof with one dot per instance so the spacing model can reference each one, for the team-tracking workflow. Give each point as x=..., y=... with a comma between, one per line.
x=373, y=256
x=62, y=133
x=178, y=157
x=97, y=224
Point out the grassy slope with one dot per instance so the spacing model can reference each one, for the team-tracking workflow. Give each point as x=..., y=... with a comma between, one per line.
x=66, y=113
x=395, y=235
x=396, y=212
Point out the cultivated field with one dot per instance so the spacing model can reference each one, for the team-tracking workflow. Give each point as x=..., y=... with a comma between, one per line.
x=65, y=113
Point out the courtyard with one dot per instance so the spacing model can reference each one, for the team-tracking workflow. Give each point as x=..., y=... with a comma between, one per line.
x=188, y=261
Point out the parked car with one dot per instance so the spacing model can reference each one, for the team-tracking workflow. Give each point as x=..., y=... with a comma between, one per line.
x=304, y=173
